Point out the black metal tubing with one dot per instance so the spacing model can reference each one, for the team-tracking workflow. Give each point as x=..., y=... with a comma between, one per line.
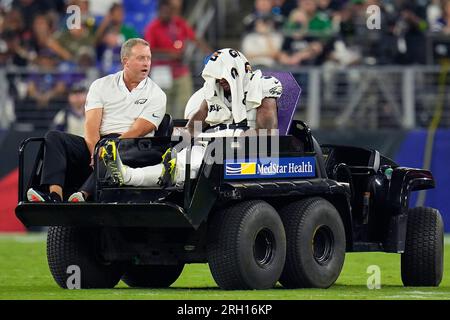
x=303, y=134
x=403, y=181
x=374, y=158
x=22, y=148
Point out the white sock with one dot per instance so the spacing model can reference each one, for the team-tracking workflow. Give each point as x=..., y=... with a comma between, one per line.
x=143, y=177
x=126, y=174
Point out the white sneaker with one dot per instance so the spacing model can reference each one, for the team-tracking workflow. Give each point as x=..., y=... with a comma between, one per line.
x=77, y=197
x=37, y=196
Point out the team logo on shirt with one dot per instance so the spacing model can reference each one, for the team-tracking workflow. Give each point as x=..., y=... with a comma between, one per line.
x=215, y=107
x=140, y=101
x=276, y=90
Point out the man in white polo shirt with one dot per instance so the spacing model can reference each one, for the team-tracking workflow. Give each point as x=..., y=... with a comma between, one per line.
x=127, y=104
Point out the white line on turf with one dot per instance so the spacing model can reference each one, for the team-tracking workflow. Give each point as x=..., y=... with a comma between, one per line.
x=24, y=238
x=447, y=240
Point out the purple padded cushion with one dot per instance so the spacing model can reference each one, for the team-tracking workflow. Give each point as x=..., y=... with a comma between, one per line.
x=288, y=101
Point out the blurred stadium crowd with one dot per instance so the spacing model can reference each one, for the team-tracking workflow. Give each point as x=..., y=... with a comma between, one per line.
x=316, y=31
x=49, y=67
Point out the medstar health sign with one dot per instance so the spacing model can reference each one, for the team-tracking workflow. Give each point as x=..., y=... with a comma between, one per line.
x=270, y=168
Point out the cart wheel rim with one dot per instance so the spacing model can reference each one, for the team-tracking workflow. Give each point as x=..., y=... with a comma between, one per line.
x=264, y=247
x=323, y=244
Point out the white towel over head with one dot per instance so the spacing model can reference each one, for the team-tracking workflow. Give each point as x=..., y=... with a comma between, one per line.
x=245, y=86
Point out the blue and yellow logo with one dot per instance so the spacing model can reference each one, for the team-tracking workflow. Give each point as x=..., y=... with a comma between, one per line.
x=289, y=167
x=233, y=169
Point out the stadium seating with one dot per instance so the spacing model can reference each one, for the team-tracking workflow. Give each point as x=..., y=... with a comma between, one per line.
x=139, y=13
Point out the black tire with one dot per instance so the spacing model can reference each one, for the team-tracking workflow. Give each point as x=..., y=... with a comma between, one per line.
x=246, y=246
x=315, y=244
x=153, y=276
x=70, y=246
x=422, y=263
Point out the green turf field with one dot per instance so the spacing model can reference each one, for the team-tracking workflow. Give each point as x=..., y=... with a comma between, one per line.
x=24, y=275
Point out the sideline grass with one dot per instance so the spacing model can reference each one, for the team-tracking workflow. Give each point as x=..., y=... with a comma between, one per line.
x=24, y=274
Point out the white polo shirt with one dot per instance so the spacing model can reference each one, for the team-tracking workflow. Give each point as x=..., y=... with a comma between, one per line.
x=121, y=107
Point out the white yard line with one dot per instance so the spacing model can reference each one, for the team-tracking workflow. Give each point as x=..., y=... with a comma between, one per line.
x=24, y=237
x=42, y=236
x=447, y=239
